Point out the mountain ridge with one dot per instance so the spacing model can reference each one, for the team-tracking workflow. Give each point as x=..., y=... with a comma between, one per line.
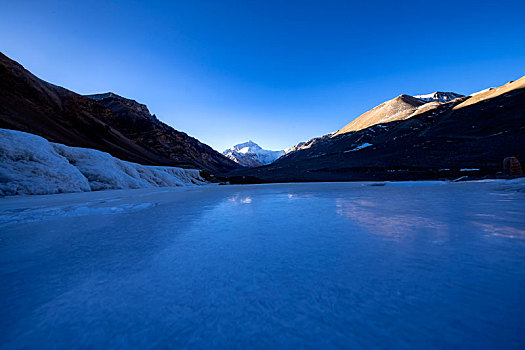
x=468, y=136
x=120, y=126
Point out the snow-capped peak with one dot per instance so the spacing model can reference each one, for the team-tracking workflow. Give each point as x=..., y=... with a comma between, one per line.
x=439, y=96
x=246, y=147
x=250, y=154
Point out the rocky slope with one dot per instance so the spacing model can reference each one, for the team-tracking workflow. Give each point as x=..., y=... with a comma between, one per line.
x=108, y=123
x=250, y=154
x=468, y=136
x=136, y=123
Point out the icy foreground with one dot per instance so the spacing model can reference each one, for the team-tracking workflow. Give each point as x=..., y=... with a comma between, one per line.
x=29, y=164
x=341, y=265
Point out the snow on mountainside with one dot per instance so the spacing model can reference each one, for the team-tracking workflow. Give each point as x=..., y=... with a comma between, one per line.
x=439, y=96
x=482, y=91
x=250, y=154
x=29, y=164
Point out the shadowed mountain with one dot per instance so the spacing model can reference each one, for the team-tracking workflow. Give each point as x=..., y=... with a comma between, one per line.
x=135, y=122
x=467, y=136
x=108, y=122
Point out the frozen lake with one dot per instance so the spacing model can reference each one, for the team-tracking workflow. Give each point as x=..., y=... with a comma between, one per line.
x=341, y=265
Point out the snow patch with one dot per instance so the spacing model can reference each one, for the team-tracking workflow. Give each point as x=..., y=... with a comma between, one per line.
x=363, y=145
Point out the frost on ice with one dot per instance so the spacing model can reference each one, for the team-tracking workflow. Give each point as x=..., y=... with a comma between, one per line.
x=30, y=164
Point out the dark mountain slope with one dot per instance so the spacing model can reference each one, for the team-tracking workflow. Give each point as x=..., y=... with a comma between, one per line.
x=446, y=141
x=135, y=122
x=30, y=104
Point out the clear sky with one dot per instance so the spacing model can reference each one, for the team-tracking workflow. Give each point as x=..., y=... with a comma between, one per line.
x=275, y=72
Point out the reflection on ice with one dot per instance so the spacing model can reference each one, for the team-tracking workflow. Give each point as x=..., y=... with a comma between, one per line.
x=381, y=218
x=501, y=230
x=342, y=265
x=240, y=199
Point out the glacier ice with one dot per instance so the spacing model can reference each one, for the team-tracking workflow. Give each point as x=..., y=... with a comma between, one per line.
x=29, y=164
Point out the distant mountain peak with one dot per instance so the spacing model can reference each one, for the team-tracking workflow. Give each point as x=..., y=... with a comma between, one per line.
x=439, y=96
x=250, y=154
x=247, y=147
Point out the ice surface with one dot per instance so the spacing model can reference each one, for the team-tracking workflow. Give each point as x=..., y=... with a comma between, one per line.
x=341, y=265
x=29, y=164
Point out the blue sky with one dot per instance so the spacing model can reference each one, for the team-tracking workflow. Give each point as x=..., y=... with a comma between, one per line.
x=276, y=72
